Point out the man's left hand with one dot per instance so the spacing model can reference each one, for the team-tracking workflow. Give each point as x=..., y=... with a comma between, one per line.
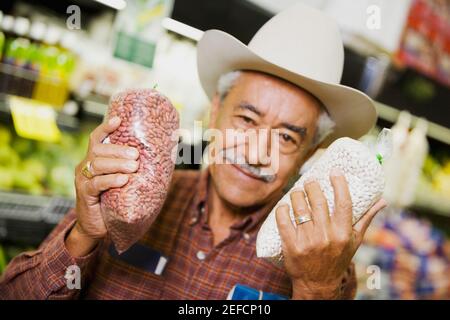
x=317, y=253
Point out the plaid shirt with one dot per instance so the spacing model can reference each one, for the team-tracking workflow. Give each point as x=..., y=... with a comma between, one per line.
x=196, y=269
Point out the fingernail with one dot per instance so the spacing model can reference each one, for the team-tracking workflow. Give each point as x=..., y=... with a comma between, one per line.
x=336, y=172
x=132, y=165
x=122, y=179
x=310, y=180
x=283, y=204
x=132, y=153
x=113, y=121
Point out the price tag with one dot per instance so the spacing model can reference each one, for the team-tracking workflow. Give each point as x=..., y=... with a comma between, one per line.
x=34, y=120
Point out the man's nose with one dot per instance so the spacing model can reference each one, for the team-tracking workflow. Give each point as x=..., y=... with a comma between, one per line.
x=259, y=147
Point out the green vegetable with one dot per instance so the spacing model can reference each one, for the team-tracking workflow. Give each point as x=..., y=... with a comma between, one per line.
x=8, y=157
x=61, y=181
x=6, y=178
x=23, y=180
x=34, y=168
x=2, y=260
x=36, y=189
x=24, y=147
x=5, y=136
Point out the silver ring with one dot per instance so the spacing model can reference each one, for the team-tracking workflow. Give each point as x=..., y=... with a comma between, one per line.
x=302, y=219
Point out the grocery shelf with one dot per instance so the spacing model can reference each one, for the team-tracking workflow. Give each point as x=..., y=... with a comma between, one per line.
x=428, y=199
x=94, y=105
x=435, y=131
x=28, y=218
x=64, y=121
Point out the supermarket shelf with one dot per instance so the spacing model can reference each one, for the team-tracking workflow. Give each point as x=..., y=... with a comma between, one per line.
x=27, y=218
x=64, y=121
x=435, y=131
x=94, y=105
x=434, y=203
x=428, y=199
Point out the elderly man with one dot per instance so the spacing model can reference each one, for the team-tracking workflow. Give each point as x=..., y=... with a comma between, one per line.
x=203, y=242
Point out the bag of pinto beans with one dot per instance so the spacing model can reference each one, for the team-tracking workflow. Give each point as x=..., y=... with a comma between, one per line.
x=149, y=123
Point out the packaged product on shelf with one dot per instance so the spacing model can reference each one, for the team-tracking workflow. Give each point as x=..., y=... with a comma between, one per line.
x=412, y=252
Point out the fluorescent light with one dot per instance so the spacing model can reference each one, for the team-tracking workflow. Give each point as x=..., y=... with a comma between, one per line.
x=182, y=29
x=115, y=4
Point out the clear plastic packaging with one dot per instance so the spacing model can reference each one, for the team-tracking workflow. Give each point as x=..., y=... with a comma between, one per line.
x=361, y=165
x=148, y=123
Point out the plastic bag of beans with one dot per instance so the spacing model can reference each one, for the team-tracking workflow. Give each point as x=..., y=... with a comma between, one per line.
x=363, y=170
x=148, y=123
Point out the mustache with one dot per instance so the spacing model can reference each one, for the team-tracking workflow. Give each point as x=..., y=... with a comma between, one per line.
x=240, y=161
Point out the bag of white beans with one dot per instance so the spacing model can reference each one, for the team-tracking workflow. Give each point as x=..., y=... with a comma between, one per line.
x=362, y=167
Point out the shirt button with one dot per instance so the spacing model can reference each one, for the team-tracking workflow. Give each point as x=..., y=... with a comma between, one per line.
x=246, y=236
x=201, y=255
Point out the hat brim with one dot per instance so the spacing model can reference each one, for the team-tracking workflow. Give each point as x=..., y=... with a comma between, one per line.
x=218, y=53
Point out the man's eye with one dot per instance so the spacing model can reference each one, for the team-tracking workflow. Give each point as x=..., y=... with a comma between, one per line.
x=247, y=119
x=287, y=138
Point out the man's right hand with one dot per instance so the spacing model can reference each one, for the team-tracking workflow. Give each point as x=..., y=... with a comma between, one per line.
x=110, y=166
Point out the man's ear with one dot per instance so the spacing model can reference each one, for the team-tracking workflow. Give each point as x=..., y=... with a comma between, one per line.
x=215, y=105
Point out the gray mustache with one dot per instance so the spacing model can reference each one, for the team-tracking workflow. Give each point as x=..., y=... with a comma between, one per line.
x=257, y=171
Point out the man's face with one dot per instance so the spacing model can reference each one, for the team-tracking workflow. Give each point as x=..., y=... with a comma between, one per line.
x=263, y=104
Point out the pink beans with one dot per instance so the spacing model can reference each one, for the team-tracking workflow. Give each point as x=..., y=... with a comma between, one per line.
x=148, y=123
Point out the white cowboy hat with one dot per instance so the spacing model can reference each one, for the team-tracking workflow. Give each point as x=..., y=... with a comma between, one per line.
x=301, y=45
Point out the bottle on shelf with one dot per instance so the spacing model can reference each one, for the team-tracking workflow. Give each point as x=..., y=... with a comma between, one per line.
x=46, y=88
x=65, y=66
x=7, y=25
x=36, y=60
x=33, y=65
x=2, y=36
x=16, y=56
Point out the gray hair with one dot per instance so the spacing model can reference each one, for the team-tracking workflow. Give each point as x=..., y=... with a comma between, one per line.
x=325, y=125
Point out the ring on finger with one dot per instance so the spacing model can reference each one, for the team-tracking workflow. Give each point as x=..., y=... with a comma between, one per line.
x=87, y=170
x=302, y=219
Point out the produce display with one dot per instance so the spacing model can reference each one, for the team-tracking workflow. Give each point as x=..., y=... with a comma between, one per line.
x=412, y=255
x=40, y=168
x=437, y=173
x=426, y=40
x=433, y=189
x=148, y=123
x=2, y=260
x=365, y=177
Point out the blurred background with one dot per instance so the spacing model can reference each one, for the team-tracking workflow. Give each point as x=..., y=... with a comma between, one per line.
x=61, y=61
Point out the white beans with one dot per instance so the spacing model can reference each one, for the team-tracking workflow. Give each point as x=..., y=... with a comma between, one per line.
x=364, y=175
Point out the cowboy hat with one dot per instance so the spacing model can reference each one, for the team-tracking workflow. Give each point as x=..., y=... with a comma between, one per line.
x=301, y=45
